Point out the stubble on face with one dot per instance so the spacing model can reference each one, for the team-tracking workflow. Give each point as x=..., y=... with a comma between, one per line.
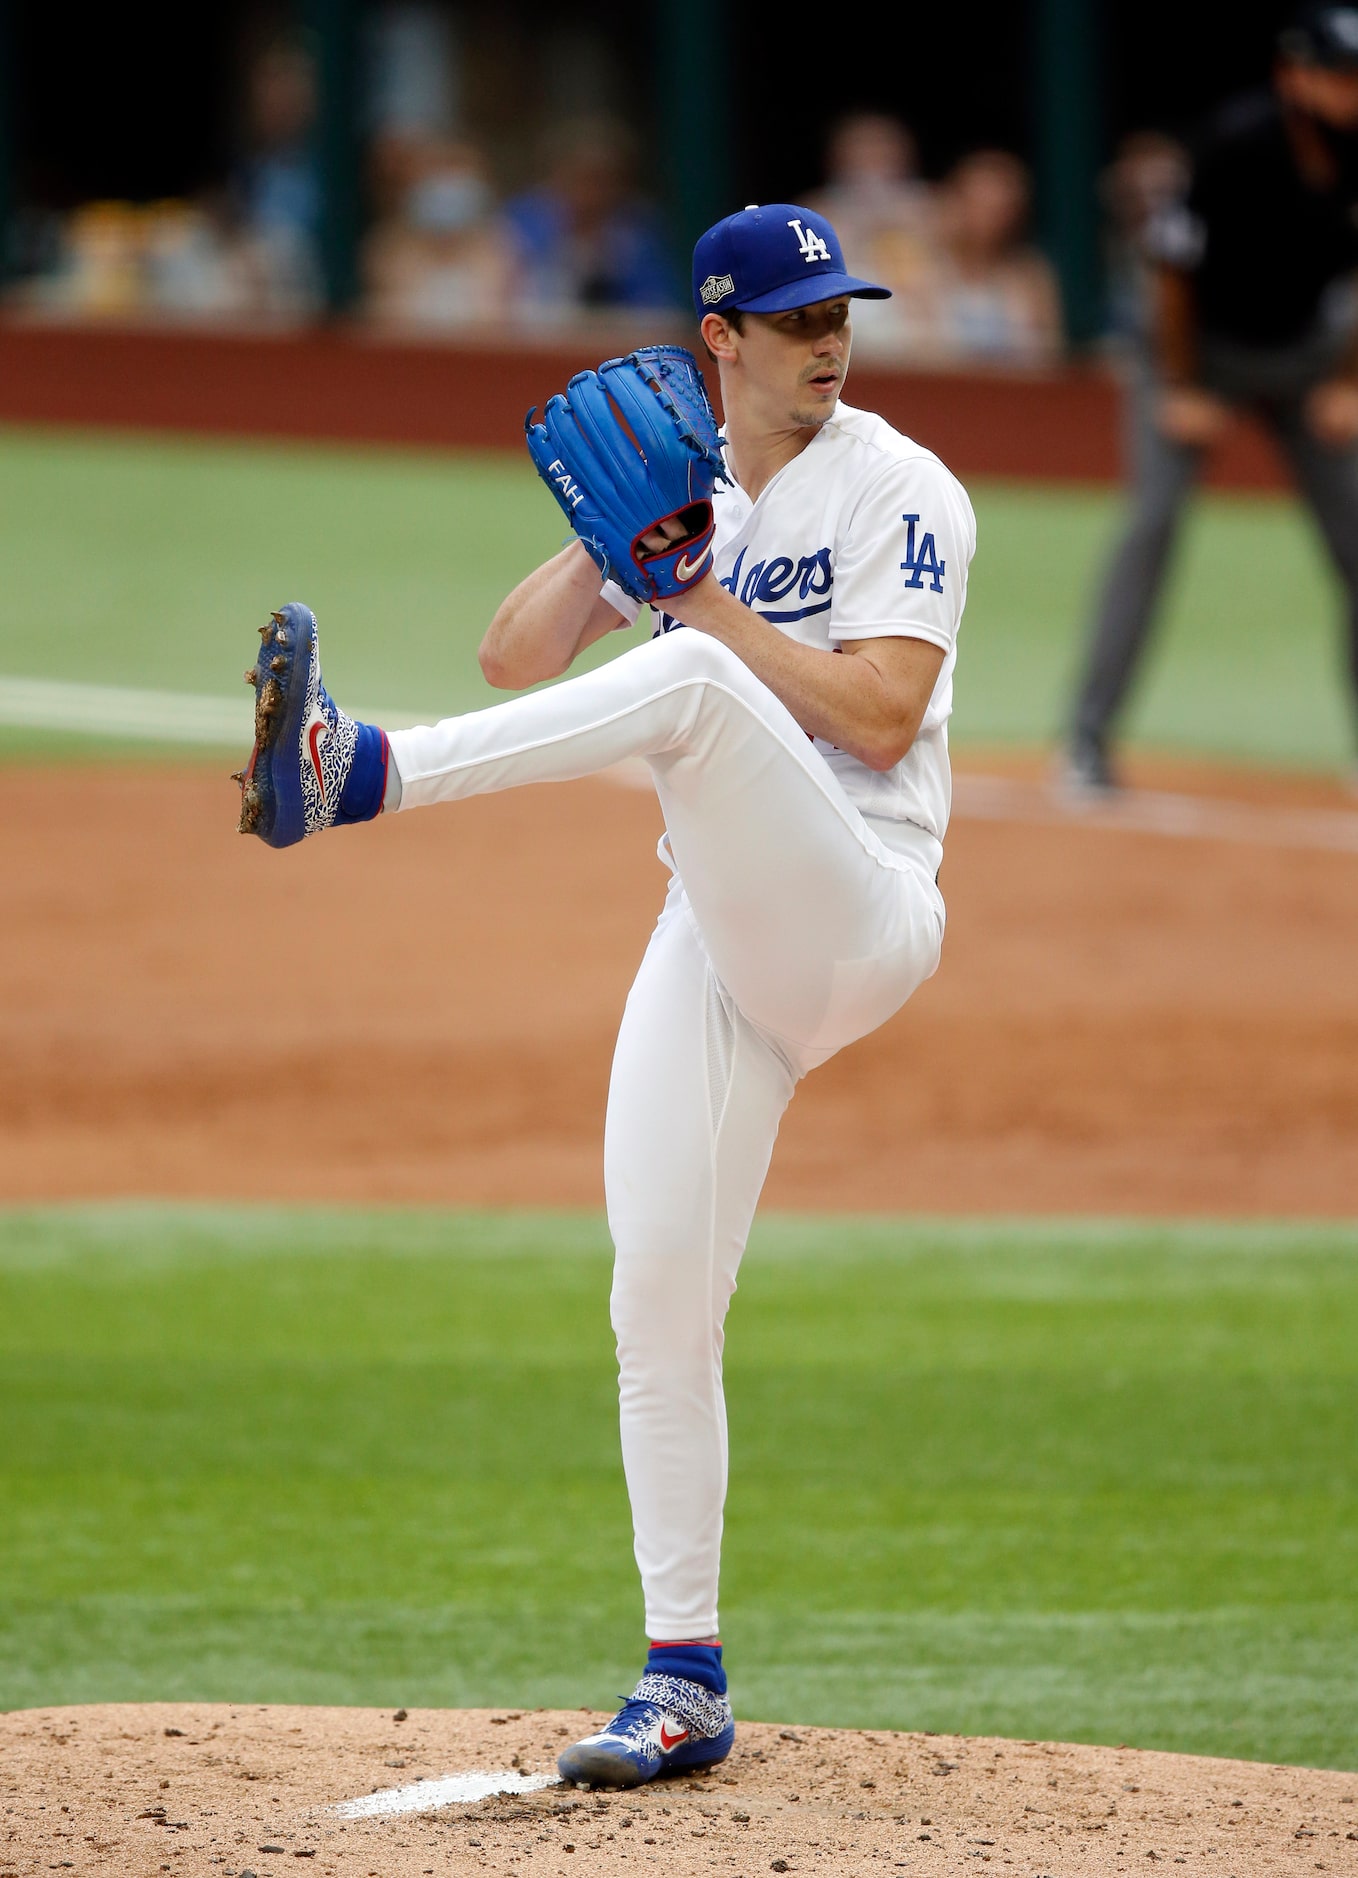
x=816, y=397
x=820, y=377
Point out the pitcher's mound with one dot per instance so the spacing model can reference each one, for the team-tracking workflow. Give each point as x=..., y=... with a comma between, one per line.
x=216, y=1789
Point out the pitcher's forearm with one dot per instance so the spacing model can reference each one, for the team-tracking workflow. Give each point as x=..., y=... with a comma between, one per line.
x=546, y=622
x=867, y=699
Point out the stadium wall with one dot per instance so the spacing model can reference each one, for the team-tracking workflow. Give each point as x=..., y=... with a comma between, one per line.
x=350, y=385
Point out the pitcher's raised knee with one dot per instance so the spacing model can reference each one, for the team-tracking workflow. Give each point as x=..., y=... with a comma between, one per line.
x=698, y=655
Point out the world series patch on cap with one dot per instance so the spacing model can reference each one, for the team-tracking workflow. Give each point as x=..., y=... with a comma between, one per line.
x=770, y=258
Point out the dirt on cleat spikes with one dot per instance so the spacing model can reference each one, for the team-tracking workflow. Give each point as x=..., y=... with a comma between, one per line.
x=251, y=807
x=251, y=675
x=277, y=616
x=280, y=637
x=268, y=703
x=278, y=663
x=238, y=776
x=264, y=631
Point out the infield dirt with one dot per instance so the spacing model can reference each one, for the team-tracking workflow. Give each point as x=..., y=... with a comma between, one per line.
x=1122, y=1023
x=232, y=1791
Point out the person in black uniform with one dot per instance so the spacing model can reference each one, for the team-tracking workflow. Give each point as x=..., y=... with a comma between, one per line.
x=1248, y=307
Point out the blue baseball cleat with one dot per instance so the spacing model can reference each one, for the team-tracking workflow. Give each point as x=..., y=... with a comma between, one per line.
x=312, y=766
x=667, y=1725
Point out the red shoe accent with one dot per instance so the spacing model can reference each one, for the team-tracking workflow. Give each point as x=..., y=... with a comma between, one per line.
x=319, y=729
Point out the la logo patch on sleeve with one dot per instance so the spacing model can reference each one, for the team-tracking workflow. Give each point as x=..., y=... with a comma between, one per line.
x=921, y=558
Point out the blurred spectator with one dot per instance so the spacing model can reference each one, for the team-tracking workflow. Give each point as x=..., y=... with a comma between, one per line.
x=412, y=54
x=1149, y=171
x=100, y=272
x=884, y=215
x=965, y=282
x=584, y=240
x=872, y=181
x=997, y=298
x=118, y=260
x=276, y=187
x=187, y=266
x=436, y=256
x=248, y=252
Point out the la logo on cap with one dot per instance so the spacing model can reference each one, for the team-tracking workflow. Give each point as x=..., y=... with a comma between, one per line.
x=810, y=244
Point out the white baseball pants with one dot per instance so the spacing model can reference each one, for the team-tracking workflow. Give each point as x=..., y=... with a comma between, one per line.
x=790, y=929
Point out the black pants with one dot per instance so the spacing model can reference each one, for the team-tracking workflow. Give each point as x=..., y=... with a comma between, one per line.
x=1272, y=385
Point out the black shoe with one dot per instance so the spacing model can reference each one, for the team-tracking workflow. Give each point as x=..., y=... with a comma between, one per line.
x=1086, y=770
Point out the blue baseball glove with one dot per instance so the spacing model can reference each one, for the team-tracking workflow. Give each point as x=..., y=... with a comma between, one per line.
x=627, y=449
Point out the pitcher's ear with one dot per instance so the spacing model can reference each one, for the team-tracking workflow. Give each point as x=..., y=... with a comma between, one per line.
x=719, y=335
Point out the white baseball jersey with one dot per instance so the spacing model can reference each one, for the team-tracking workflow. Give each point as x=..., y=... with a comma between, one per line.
x=863, y=535
x=793, y=924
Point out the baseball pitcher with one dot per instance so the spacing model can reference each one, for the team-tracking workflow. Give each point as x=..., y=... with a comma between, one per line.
x=806, y=570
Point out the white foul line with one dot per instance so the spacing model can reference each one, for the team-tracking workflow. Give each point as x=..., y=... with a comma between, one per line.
x=1129, y=811
x=186, y=717
x=425, y=1796
x=1156, y=812
x=119, y=711
x=147, y=716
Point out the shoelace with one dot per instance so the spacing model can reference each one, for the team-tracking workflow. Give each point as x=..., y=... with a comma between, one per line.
x=699, y=1710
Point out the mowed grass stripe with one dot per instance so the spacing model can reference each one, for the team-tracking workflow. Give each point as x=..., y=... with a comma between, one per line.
x=1083, y=1481
x=147, y=562
x=107, y=711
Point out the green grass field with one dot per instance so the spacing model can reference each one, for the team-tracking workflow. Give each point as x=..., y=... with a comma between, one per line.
x=1098, y=1483
x=148, y=562
x=1095, y=1483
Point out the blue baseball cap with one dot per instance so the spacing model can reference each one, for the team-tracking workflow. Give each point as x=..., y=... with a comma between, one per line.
x=770, y=258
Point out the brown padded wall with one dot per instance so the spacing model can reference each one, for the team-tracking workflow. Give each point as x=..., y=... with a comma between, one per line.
x=354, y=387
